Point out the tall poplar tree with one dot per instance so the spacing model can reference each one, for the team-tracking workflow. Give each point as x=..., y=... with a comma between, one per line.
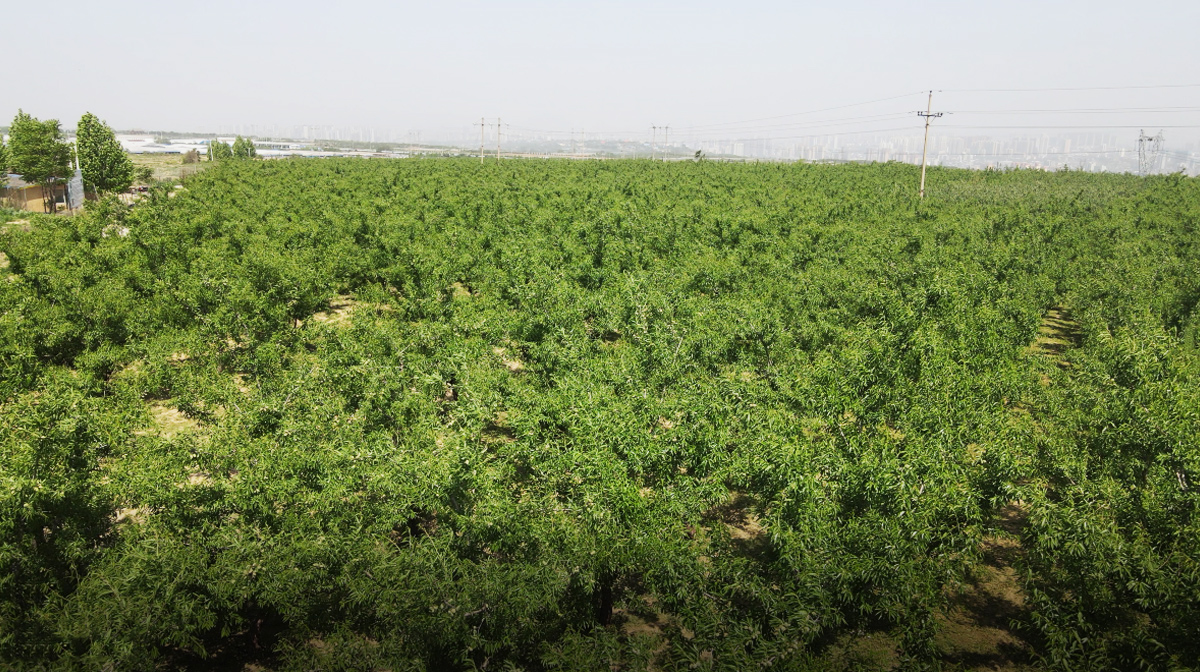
x=219, y=151
x=38, y=153
x=105, y=166
x=243, y=148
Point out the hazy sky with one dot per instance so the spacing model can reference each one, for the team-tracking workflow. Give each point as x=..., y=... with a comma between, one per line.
x=604, y=66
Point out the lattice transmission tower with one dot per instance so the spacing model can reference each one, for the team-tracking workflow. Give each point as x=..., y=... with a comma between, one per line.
x=1149, y=149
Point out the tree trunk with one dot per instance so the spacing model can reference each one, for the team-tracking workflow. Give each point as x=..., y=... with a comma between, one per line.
x=604, y=604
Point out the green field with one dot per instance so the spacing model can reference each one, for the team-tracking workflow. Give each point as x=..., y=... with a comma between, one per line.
x=624, y=415
x=168, y=167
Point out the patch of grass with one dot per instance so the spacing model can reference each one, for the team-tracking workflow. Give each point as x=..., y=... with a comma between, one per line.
x=168, y=166
x=169, y=422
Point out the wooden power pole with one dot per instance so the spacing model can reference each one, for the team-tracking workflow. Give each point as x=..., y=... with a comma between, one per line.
x=482, y=128
x=929, y=115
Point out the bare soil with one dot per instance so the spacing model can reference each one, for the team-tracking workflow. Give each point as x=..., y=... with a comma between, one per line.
x=1056, y=334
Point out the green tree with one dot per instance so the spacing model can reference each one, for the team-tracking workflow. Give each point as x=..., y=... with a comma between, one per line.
x=3, y=162
x=38, y=153
x=243, y=148
x=219, y=151
x=105, y=166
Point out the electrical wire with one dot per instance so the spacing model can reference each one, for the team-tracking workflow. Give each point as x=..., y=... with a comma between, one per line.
x=755, y=130
x=1078, y=88
x=1086, y=110
x=797, y=114
x=866, y=119
x=1069, y=126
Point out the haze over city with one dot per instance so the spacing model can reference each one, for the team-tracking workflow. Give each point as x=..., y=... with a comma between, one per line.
x=1049, y=80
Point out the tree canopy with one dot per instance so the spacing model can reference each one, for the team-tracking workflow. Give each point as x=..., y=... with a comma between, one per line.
x=105, y=165
x=243, y=148
x=219, y=151
x=38, y=153
x=557, y=415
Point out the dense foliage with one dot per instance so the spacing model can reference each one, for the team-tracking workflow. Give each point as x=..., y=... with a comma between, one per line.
x=574, y=415
x=36, y=149
x=105, y=165
x=219, y=151
x=243, y=148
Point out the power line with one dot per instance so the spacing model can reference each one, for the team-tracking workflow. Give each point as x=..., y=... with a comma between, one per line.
x=907, y=95
x=797, y=114
x=816, y=123
x=1088, y=110
x=834, y=134
x=808, y=124
x=1078, y=88
x=1066, y=153
x=1068, y=126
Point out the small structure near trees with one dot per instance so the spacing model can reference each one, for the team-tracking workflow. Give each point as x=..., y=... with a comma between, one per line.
x=39, y=155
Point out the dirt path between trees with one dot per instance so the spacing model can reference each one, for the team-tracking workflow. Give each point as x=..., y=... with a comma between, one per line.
x=978, y=630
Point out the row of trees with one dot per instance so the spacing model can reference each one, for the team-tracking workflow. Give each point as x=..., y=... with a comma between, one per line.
x=39, y=153
x=582, y=415
x=243, y=148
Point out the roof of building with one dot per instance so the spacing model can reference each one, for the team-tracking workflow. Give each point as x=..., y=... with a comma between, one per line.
x=16, y=182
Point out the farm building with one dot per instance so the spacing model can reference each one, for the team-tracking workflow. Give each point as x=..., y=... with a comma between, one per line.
x=19, y=194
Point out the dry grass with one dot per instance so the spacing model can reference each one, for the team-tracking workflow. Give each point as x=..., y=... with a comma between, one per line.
x=511, y=363
x=168, y=166
x=168, y=422
x=239, y=379
x=21, y=225
x=642, y=619
x=342, y=309
x=196, y=478
x=977, y=630
x=865, y=651
x=135, y=515
x=1056, y=333
x=739, y=515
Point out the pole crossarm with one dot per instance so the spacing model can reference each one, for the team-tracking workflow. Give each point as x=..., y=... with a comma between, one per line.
x=929, y=116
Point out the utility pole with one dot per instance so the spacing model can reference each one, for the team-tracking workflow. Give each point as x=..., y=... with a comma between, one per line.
x=653, y=137
x=79, y=167
x=497, y=139
x=482, y=127
x=929, y=115
x=666, y=140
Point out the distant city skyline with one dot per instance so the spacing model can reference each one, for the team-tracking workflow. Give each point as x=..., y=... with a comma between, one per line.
x=721, y=72
x=1096, y=152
